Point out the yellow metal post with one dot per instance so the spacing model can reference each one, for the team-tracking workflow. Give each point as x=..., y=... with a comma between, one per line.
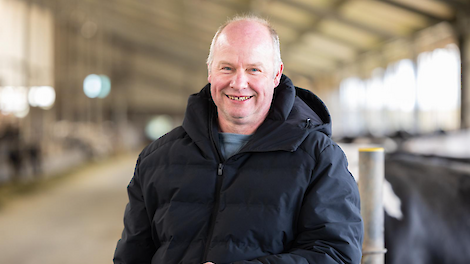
x=371, y=177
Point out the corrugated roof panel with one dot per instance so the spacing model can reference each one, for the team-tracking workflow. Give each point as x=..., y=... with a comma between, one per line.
x=307, y=65
x=204, y=25
x=436, y=8
x=310, y=64
x=348, y=33
x=329, y=46
x=372, y=61
x=286, y=34
x=297, y=16
x=382, y=16
x=302, y=54
x=216, y=10
x=294, y=68
x=435, y=37
x=397, y=50
x=318, y=3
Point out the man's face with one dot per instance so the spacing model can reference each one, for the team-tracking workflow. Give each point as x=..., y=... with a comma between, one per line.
x=242, y=75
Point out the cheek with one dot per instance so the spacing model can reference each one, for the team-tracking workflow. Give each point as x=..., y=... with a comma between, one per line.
x=265, y=88
x=268, y=99
x=217, y=79
x=214, y=93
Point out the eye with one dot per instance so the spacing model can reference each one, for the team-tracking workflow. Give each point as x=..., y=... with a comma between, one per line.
x=255, y=70
x=226, y=68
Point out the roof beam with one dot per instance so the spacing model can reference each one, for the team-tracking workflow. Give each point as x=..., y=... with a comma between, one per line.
x=315, y=30
x=433, y=19
x=462, y=5
x=335, y=15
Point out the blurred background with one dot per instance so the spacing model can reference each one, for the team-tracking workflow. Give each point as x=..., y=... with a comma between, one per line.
x=84, y=79
x=87, y=80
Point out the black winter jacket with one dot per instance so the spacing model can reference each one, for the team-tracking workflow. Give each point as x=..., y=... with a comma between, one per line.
x=286, y=197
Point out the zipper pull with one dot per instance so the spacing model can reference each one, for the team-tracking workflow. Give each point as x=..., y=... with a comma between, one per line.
x=220, y=169
x=307, y=123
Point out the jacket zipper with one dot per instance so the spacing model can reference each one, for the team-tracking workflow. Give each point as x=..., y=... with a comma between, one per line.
x=215, y=210
x=219, y=180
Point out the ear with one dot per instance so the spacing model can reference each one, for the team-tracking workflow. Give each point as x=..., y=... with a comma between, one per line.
x=277, y=77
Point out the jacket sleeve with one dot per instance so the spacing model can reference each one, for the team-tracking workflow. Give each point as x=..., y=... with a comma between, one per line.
x=136, y=244
x=330, y=228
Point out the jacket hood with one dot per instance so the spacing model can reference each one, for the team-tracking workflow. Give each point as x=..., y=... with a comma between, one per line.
x=294, y=113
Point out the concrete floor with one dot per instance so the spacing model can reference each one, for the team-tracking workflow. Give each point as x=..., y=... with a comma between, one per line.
x=77, y=219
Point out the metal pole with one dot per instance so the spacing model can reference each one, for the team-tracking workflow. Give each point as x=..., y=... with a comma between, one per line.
x=371, y=177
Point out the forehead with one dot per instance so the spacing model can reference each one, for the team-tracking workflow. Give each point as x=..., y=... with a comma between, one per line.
x=244, y=38
x=246, y=30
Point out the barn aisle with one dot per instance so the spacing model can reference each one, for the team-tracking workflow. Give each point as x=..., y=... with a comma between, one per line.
x=77, y=219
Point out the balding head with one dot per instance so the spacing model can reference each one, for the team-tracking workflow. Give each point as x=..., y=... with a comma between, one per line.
x=243, y=72
x=245, y=26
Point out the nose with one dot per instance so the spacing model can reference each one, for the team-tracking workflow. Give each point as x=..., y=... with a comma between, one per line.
x=239, y=80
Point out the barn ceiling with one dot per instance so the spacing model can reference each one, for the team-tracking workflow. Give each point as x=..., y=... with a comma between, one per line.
x=171, y=38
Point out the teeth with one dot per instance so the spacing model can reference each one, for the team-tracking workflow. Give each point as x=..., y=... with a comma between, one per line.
x=239, y=98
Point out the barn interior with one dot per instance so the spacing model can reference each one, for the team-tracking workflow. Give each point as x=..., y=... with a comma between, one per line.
x=383, y=68
x=86, y=81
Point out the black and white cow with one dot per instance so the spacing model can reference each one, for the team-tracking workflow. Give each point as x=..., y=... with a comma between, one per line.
x=428, y=221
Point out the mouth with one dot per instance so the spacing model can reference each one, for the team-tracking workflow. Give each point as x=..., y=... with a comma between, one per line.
x=239, y=98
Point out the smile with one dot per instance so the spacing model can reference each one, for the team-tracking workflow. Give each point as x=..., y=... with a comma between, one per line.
x=239, y=98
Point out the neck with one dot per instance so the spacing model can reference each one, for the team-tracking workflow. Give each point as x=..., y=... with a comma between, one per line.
x=243, y=129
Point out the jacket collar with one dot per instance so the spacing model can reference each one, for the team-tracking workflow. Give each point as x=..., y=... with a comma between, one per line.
x=294, y=114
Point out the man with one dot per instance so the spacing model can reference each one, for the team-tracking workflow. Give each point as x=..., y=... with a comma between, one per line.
x=251, y=176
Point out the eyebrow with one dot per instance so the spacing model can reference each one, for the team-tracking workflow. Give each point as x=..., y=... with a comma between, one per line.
x=256, y=64
x=224, y=62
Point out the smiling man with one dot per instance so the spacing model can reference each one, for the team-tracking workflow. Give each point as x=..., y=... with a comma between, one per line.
x=243, y=71
x=252, y=175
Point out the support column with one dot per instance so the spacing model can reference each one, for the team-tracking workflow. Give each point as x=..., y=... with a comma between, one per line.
x=463, y=28
x=371, y=177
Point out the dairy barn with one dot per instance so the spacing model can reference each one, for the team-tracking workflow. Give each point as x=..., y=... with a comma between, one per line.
x=85, y=85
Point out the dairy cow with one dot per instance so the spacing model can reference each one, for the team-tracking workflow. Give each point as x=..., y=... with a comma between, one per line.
x=427, y=219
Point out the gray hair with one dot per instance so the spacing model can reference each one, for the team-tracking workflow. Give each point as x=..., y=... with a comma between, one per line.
x=253, y=18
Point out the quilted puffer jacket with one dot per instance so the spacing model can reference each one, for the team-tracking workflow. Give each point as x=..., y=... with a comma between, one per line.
x=286, y=197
